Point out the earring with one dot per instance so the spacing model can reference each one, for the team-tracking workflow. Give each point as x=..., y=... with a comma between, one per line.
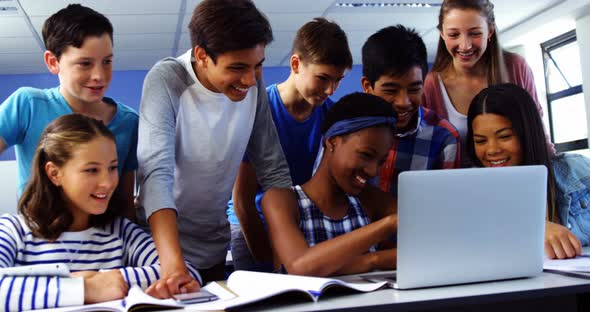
x=331, y=149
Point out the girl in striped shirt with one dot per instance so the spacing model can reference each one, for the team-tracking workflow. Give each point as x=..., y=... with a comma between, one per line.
x=68, y=214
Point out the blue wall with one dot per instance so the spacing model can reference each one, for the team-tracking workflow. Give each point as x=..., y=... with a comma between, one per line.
x=126, y=86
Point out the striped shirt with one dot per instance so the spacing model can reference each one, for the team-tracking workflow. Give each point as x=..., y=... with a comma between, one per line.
x=433, y=144
x=119, y=245
x=317, y=227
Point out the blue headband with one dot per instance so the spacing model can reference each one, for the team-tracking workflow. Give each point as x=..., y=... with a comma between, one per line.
x=354, y=124
x=347, y=126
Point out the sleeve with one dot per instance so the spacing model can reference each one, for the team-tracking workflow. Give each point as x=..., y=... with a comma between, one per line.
x=20, y=293
x=264, y=149
x=429, y=90
x=131, y=163
x=157, y=123
x=14, y=115
x=451, y=152
x=528, y=83
x=142, y=263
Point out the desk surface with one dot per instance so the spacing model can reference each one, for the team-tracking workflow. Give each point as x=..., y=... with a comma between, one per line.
x=547, y=284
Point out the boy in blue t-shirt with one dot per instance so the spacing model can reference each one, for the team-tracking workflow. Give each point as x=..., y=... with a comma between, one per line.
x=79, y=44
x=298, y=105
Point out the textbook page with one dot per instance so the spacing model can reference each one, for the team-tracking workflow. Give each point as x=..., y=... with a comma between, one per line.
x=252, y=287
x=577, y=264
x=264, y=285
x=136, y=300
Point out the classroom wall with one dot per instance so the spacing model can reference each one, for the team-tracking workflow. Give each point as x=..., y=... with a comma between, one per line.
x=126, y=86
x=583, y=36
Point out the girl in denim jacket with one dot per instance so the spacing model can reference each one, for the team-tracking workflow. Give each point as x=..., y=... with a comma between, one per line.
x=504, y=129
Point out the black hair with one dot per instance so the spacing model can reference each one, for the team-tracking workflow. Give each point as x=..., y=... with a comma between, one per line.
x=356, y=105
x=515, y=104
x=220, y=26
x=71, y=26
x=393, y=50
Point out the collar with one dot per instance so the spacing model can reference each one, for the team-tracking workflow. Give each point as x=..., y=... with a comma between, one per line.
x=415, y=129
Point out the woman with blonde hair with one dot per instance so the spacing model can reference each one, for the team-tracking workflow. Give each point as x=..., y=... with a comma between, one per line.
x=470, y=58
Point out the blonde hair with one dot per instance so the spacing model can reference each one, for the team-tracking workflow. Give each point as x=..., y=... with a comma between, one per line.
x=493, y=57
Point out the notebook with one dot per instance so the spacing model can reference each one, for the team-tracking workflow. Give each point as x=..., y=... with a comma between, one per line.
x=470, y=225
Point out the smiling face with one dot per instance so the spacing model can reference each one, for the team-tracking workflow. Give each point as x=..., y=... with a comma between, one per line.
x=496, y=144
x=315, y=82
x=84, y=73
x=233, y=73
x=358, y=157
x=404, y=93
x=466, y=34
x=88, y=179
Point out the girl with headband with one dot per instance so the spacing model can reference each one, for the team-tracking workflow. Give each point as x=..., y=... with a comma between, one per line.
x=337, y=223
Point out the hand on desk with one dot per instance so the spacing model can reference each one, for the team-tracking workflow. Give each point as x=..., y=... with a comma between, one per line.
x=102, y=286
x=560, y=243
x=171, y=284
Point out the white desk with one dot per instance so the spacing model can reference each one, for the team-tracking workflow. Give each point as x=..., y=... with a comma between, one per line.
x=450, y=297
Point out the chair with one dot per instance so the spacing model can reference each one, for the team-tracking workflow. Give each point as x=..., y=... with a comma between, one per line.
x=8, y=186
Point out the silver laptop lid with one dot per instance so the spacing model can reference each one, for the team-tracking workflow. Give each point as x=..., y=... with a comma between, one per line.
x=470, y=225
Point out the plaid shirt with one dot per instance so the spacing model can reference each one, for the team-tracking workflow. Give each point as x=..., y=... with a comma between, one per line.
x=317, y=227
x=433, y=144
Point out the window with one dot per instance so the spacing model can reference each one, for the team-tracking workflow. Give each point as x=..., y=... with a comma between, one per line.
x=565, y=97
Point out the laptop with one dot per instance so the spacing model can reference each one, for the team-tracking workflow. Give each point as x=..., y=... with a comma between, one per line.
x=469, y=225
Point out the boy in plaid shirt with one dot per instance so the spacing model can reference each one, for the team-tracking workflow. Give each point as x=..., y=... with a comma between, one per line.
x=394, y=67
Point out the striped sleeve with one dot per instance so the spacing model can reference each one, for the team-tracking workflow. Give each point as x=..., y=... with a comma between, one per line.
x=142, y=265
x=19, y=293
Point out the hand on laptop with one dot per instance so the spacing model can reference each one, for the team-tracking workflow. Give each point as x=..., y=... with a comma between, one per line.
x=560, y=243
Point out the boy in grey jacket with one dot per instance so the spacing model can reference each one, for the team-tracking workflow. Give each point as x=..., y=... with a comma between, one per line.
x=199, y=114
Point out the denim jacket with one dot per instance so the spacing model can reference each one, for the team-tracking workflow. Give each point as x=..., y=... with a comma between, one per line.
x=572, y=180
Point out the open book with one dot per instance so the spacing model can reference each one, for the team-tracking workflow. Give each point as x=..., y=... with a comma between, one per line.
x=251, y=287
x=138, y=300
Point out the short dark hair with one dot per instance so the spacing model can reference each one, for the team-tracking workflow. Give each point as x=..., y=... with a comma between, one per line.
x=71, y=26
x=393, y=50
x=220, y=26
x=355, y=105
x=515, y=104
x=42, y=204
x=322, y=42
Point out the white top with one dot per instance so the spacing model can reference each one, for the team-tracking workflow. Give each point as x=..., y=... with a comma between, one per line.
x=458, y=120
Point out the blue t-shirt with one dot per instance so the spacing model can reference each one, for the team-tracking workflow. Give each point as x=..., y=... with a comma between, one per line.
x=300, y=142
x=26, y=113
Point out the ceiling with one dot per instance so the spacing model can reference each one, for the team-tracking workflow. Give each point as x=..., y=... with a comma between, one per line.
x=149, y=30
